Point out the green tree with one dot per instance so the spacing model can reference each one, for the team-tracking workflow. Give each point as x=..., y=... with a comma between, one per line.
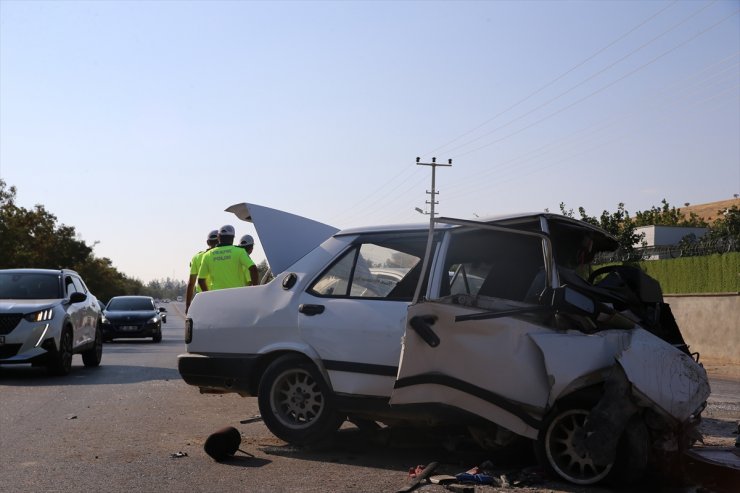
x=618, y=224
x=32, y=238
x=727, y=224
x=262, y=268
x=668, y=215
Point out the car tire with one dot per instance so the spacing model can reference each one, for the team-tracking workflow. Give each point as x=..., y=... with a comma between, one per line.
x=60, y=361
x=92, y=356
x=559, y=451
x=296, y=403
x=157, y=337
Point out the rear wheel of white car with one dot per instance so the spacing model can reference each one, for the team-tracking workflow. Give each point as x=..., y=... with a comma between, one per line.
x=92, y=356
x=60, y=361
x=561, y=448
x=295, y=402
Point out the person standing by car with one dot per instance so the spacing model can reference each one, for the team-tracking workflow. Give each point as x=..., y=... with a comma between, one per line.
x=226, y=265
x=193, y=287
x=247, y=243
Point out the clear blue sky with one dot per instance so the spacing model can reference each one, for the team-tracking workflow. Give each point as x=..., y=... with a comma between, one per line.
x=138, y=122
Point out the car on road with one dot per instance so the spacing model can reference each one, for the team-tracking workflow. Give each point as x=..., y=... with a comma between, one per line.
x=132, y=317
x=47, y=316
x=497, y=325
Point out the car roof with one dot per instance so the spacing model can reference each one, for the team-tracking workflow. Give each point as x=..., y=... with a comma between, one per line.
x=132, y=296
x=39, y=271
x=286, y=237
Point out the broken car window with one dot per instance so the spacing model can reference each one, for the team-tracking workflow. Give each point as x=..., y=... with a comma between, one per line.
x=496, y=264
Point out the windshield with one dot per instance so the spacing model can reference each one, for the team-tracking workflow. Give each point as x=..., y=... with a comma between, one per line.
x=28, y=286
x=130, y=304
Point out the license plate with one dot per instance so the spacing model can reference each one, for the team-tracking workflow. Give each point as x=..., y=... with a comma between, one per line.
x=2, y=339
x=130, y=328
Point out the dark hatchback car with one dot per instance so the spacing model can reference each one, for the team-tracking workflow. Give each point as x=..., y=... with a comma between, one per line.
x=132, y=317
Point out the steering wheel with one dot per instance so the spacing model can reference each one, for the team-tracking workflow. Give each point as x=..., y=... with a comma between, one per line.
x=603, y=270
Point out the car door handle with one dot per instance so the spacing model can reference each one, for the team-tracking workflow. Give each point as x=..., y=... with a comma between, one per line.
x=311, y=309
x=421, y=326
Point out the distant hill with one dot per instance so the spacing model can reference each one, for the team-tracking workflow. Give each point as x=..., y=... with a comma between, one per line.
x=709, y=211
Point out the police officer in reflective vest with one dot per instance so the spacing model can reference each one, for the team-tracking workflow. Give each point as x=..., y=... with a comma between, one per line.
x=247, y=243
x=226, y=265
x=193, y=287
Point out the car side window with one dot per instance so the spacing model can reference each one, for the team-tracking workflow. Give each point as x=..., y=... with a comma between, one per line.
x=69, y=285
x=467, y=277
x=79, y=285
x=495, y=264
x=377, y=269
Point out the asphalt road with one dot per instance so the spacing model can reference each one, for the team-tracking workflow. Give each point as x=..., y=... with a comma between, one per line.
x=133, y=425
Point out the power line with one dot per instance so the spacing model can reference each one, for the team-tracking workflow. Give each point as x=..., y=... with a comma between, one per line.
x=584, y=81
x=603, y=88
x=559, y=77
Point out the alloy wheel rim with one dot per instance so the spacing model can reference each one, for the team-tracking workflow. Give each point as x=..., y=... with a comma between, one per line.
x=566, y=450
x=296, y=399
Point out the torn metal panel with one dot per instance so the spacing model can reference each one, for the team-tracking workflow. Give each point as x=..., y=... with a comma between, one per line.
x=609, y=417
x=571, y=357
x=670, y=379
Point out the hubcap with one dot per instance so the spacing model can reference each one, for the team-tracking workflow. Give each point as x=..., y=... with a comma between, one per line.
x=296, y=399
x=566, y=449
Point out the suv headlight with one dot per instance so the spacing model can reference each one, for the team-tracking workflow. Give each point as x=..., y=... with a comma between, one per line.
x=153, y=320
x=41, y=316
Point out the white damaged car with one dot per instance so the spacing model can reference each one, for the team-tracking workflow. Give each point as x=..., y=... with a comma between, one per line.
x=494, y=324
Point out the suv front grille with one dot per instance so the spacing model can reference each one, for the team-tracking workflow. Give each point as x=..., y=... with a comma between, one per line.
x=9, y=322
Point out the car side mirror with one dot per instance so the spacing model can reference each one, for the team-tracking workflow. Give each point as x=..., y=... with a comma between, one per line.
x=162, y=309
x=77, y=297
x=567, y=299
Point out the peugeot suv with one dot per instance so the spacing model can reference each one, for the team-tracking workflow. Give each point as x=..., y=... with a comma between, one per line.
x=500, y=325
x=47, y=316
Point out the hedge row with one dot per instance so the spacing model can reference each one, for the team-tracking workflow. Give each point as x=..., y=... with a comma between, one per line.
x=719, y=273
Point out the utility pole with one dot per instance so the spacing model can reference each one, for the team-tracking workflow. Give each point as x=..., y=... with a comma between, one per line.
x=432, y=193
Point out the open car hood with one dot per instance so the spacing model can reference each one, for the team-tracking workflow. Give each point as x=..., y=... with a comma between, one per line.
x=285, y=237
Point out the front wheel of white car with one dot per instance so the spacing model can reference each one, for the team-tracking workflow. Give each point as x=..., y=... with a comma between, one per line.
x=295, y=402
x=561, y=447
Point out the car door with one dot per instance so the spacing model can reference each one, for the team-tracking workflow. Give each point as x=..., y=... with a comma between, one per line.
x=78, y=313
x=91, y=311
x=353, y=314
x=471, y=348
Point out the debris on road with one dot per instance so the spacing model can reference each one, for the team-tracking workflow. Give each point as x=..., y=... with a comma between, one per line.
x=253, y=419
x=418, y=476
x=442, y=479
x=178, y=455
x=224, y=443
